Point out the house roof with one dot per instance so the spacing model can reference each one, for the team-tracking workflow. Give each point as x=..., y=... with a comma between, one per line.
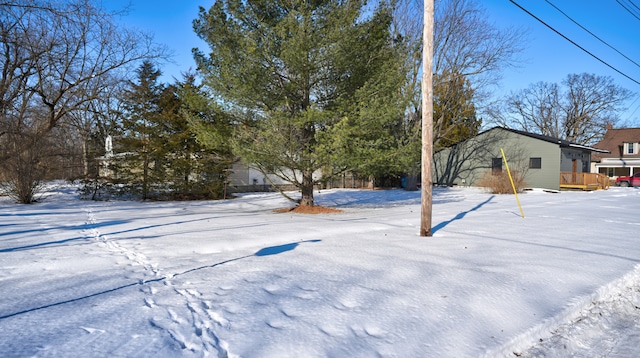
x=561, y=142
x=613, y=140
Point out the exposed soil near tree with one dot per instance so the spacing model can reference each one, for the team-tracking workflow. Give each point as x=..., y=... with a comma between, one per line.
x=316, y=209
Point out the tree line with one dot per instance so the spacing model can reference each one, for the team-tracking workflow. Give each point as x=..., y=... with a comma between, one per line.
x=302, y=90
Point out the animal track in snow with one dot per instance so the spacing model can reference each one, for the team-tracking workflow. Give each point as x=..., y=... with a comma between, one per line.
x=192, y=329
x=198, y=334
x=131, y=255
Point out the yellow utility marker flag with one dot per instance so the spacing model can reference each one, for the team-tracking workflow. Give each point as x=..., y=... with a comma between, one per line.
x=512, y=184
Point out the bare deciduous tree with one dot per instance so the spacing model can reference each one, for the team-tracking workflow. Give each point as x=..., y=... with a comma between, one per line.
x=536, y=109
x=56, y=58
x=85, y=49
x=467, y=48
x=466, y=42
x=98, y=119
x=578, y=111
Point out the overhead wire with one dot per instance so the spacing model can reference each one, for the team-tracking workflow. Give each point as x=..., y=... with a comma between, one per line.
x=634, y=5
x=629, y=10
x=574, y=43
x=592, y=34
x=637, y=107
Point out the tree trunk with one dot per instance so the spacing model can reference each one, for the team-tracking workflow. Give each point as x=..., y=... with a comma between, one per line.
x=412, y=182
x=85, y=159
x=145, y=176
x=307, y=189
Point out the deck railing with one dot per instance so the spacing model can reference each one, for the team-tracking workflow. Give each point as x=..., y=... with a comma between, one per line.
x=584, y=181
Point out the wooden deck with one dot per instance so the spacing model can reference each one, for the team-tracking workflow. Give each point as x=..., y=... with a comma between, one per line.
x=584, y=181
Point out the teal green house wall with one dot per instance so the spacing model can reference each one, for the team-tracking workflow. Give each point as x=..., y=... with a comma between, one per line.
x=467, y=162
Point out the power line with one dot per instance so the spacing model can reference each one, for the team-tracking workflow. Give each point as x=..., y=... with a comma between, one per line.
x=574, y=43
x=634, y=5
x=591, y=33
x=635, y=110
x=637, y=10
x=629, y=10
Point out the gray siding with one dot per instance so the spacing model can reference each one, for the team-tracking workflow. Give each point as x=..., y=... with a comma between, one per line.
x=466, y=163
x=582, y=160
x=548, y=176
x=239, y=175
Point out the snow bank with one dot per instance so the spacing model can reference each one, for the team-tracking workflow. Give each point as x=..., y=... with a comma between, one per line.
x=593, y=325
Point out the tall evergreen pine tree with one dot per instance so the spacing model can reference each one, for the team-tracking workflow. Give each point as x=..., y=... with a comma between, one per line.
x=142, y=139
x=289, y=71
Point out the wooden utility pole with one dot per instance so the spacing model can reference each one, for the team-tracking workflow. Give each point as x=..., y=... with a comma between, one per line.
x=427, y=118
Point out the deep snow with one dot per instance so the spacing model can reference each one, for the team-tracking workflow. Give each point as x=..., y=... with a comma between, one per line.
x=233, y=278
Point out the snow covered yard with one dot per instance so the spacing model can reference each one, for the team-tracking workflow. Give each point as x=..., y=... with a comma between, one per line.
x=233, y=278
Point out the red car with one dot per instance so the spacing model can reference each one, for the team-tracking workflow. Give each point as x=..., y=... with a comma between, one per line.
x=629, y=181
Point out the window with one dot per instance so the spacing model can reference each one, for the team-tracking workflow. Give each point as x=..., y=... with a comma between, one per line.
x=535, y=163
x=629, y=148
x=496, y=166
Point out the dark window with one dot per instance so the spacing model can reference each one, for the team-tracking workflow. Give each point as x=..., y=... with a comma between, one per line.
x=496, y=166
x=535, y=163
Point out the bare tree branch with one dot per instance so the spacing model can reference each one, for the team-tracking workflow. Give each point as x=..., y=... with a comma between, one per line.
x=580, y=111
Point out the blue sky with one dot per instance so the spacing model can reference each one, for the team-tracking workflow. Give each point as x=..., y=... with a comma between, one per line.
x=170, y=22
x=548, y=57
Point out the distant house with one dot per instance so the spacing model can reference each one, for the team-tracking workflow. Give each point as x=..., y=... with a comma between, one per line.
x=240, y=176
x=623, y=153
x=243, y=178
x=544, y=162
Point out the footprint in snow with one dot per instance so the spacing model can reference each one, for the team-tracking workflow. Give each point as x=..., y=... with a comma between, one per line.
x=149, y=303
x=275, y=323
x=216, y=317
x=368, y=331
x=92, y=330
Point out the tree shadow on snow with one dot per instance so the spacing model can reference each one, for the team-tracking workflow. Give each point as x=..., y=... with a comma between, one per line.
x=460, y=215
x=382, y=198
x=267, y=251
x=274, y=250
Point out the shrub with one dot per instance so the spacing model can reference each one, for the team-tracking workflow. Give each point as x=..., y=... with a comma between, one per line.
x=500, y=183
x=24, y=168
